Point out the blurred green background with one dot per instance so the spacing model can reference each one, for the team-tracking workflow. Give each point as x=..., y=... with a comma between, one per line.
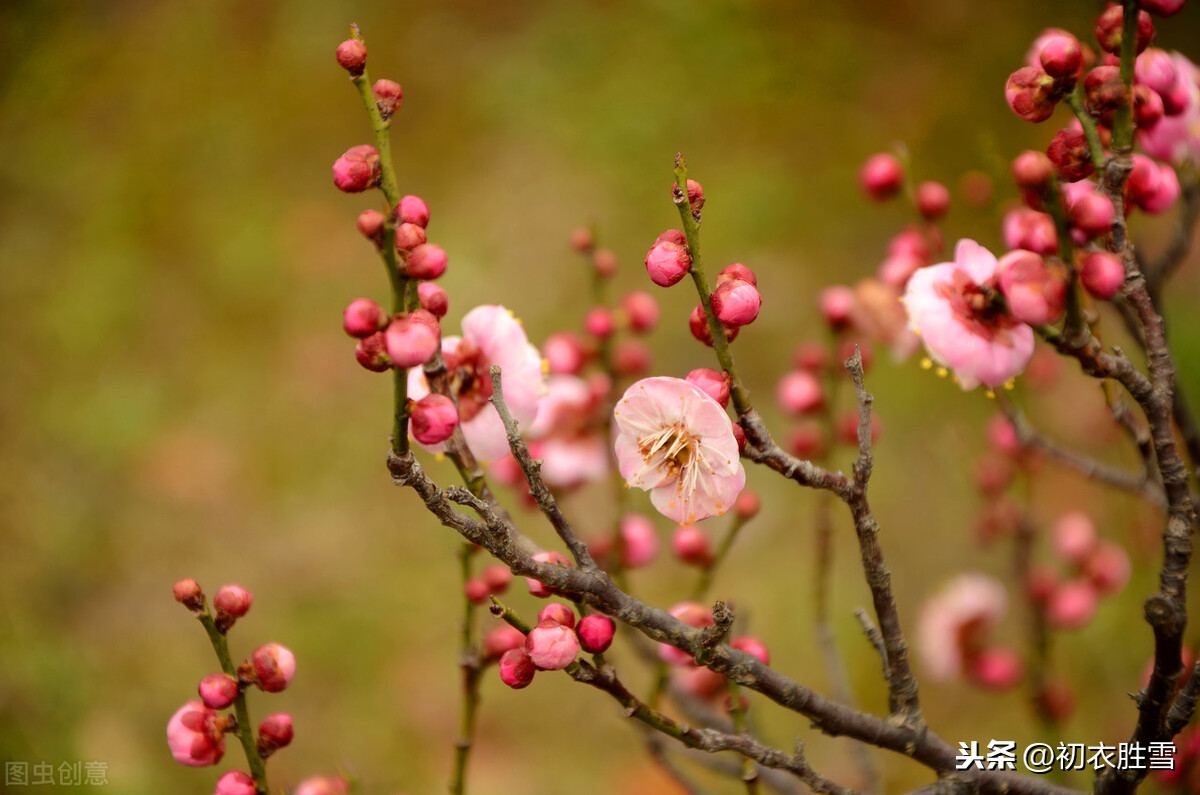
x=179, y=400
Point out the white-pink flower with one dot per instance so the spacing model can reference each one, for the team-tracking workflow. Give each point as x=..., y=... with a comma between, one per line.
x=491, y=336
x=956, y=309
x=1176, y=138
x=953, y=624
x=567, y=433
x=677, y=443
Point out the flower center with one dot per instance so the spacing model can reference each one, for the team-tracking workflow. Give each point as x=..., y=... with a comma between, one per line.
x=470, y=379
x=675, y=453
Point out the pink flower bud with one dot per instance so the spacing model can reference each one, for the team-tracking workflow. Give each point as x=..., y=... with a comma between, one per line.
x=993, y=473
x=274, y=732
x=352, y=56
x=897, y=269
x=551, y=646
x=433, y=299
x=370, y=225
x=218, y=691
x=1068, y=151
x=582, y=240
x=807, y=440
x=501, y=639
x=640, y=540
x=698, y=325
x=667, y=263
x=1156, y=70
x=736, y=303
x=1108, y=568
x=497, y=577
x=1074, y=537
x=1062, y=56
x=641, y=311
x=1168, y=192
x=1002, y=435
x=235, y=782
x=538, y=588
x=412, y=210
x=476, y=591
x=1148, y=108
x=1072, y=605
x=357, y=170
x=836, y=304
x=564, y=352
x=1102, y=274
x=188, y=593
x=605, y=263
x=361, y=318
x=434, y=418
x=737, y=272
x=274, y=667
x=1108, y=29
x=631, y=357
x=1162, y=8
x=558, y=613
x=1104, y=90
x=811, y=355
x=695, y=194
x=232, y=601
x=371, y=353
x=691, y=546
x=412, y=339
x=1029, y=92
x=997, y=668
x=700, y=682
x=753, y=646
x=693, y=614
x=595, y=633
x=323, y=785
x=747, y=505
x=516, y=668
x=1035, y=293
x=194, y=735
x=599, y=322
x=1032, y=170
x=409, y=236
x=713, y=383
x=739, y=436
x=388, y=96
x=932, y=200
x=1093, y=214
x=881, y=176
x=672, y=236
x=426, y=262
x=1030, y=230
x=799, y=392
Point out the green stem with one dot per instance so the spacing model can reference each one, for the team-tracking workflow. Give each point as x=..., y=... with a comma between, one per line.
x=471, y=673
x=738, y=715
x=506, y=614
x=691, y=230
x=709, y=572
x=258, y=767
x=1091, y=132
x=1122, y=131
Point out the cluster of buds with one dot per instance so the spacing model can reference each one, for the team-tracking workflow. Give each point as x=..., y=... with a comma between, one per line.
x=196, y=732
x=550, y=646
x=954, y=632
x=1085, y=569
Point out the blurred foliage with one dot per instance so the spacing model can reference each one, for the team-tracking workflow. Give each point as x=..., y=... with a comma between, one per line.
x=178, y=399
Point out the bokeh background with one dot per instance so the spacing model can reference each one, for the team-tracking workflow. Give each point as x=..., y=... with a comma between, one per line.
x=179, y=400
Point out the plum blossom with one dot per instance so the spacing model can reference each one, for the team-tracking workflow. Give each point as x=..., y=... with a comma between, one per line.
x=1176, y=138
x=566, y=434
x=955, y=307
x=491, y=336
x=676, y=442
x=954, y=623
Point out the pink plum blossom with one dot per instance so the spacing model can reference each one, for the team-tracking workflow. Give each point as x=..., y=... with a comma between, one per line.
x=953, y=622
x=676, y=442
x=566, y=434
x=953, y=307
x=491, y=336
x=194, y=736
x=1176, y=137
x=552, y=646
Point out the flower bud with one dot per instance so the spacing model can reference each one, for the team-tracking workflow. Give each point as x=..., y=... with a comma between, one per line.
x=1030, y=230
x=361, y=318
x=357, y=170
x=672, y=236
x=806, y=440
x=388, y=96
x=1030, y=93
x=747, y=505
x=810, y=355
x=1093, y=214
x=1062, y=56
x=516, y=668
x=425, y=262
x=1162, y=8
x=1168, y=192
x=1104, y=90
x=932, y=200
x=218, y=690
x=1108, y=568
x=1035, y=294
x=993, y=473
x=371, y=353
x=881, y=176
x=476, y=591
x=409, y=236
x=564, y=352
x=370, y=225
x=1074, y=537
x=799, y=392
x=599, y=322
x=501, y=639
x=640, y=541
x=897, y=269
x=274, y=667
x=1102, y=274
x=667, y=263
x=1148, y=107
x=631, y=358
x=641, y=311
x=739, y=436
x=434, y=418
x=752, y=646
x=1156, y=70
x=713, y=383
x=737, y=271
x=1072, y=605
x=595, y=633
x=274, y=732
x=235, y=782
x=352, y=56
x=413, y=210
x=695, y=194
x=412, y=339
x=433, y=299
x=1032, y=170
x=189, y=594
x=1069, y=152
x=700, y=682
x=605, y=263
x=997, y=668
x=698, y=325
x=557, y=613
x=692, y=614
x=497, y=577
x=323, y=785
x=1108, y=29
x=195, y=736
x=232, y=602
x=551, y=646
x=536, y=587
x=836, y=305
x=582, y=240
x=1002, y=435
x=691, y=546
x=736, y=303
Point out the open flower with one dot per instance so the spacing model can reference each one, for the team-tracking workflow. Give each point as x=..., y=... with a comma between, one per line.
x=491, y=335
x=953, y=625
x=677, y=443
x=957, y=310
